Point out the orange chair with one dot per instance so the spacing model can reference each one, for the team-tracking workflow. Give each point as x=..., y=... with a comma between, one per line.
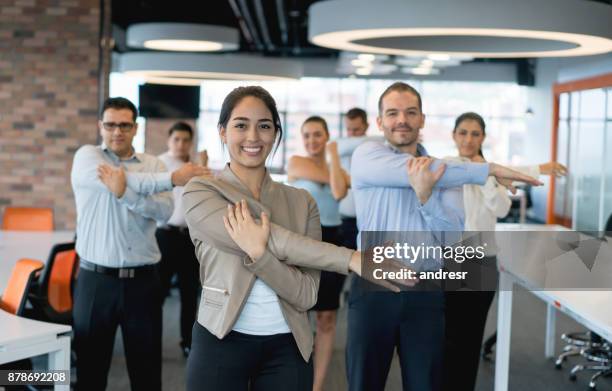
x=14, y=296
x=27, y=219
x=51, y=298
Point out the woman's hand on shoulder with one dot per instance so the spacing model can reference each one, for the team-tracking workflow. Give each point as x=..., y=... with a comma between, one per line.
x=250, y=235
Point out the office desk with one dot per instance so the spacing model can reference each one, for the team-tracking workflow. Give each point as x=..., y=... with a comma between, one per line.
x=590, y=308
x=27, y=244
x=24, y=338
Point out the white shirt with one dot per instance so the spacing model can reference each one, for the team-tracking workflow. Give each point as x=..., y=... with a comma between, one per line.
x=178, y=216
x=484, y=204
x=262, y=313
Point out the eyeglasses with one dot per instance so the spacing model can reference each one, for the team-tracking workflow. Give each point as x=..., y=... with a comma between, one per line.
x=124, y=127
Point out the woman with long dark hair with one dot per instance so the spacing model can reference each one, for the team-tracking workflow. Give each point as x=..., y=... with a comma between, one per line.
x=466, y=312
x=258, y=244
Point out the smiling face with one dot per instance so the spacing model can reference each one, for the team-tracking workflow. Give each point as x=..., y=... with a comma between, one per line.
x=314, y=137
x=249, y=134
x=400, y=118
x=468, y=137
x=118, y=129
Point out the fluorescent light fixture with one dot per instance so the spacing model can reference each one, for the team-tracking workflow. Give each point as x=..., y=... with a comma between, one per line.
x=408, y=61
x=427, y=63
x=185, y=45
x=188, y=37
x=366, y=57
x=421, y=71
x=363, y=71
x=503, y=29
x=192, y=68
x=439, y=57
x=360, y=63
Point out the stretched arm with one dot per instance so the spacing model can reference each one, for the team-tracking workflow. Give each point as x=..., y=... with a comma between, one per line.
x=347, y=145
x=297, y=286
x=337, y=176
x=300, y=167
x=205, y=203
x=157, y=206
x=84, y=174
x=375, y=165
x=148, y=183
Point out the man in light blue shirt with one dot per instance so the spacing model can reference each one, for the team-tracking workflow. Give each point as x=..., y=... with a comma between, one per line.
x=120, y=195
x=356, y=125
x=413, y=322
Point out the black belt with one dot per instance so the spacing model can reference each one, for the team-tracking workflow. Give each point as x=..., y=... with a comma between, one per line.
x=119, y=272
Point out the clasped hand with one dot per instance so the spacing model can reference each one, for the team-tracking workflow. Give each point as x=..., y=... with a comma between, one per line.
x=113, y=178
x=250, y=235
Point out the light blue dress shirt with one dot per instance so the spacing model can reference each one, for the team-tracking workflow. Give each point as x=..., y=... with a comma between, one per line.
x=346, y=147
x=385, y=201
x=120, y=232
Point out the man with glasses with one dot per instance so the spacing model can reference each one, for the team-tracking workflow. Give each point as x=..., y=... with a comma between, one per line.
x=120, y=195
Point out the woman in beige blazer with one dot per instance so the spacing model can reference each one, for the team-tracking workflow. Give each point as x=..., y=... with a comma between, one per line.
x=259, y=275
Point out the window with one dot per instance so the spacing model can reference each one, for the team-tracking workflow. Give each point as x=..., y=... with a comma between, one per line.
x=502, y=105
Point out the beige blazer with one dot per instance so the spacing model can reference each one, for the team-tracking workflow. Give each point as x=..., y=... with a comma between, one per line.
x=290, y=265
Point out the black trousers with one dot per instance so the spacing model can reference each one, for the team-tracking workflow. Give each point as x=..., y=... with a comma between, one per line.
x=241, y=362
x=349, y=232
x=178, y=257
x=380, y=322
x=101, y=304
x=466, y=316
x=331, y=283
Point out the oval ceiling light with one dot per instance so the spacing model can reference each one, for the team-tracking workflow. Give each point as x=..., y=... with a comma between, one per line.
x=475, y=28
x=191, y=68
x=187, y=37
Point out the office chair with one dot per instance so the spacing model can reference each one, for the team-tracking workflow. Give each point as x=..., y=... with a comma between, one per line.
x=51, y=295
x=27, y=219
x=575, y=342
x=14, y=296
x=600, y=356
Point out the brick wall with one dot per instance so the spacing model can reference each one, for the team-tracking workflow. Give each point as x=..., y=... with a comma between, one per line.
x=48, y=99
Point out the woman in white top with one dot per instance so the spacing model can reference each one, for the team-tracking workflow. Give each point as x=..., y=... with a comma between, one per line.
x=466, y=312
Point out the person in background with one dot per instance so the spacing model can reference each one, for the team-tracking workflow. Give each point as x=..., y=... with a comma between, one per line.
x=120, y=196
x=327, y=183
x=177, y=251
x=356, y=125
x=386, y=200
x=466, y=311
